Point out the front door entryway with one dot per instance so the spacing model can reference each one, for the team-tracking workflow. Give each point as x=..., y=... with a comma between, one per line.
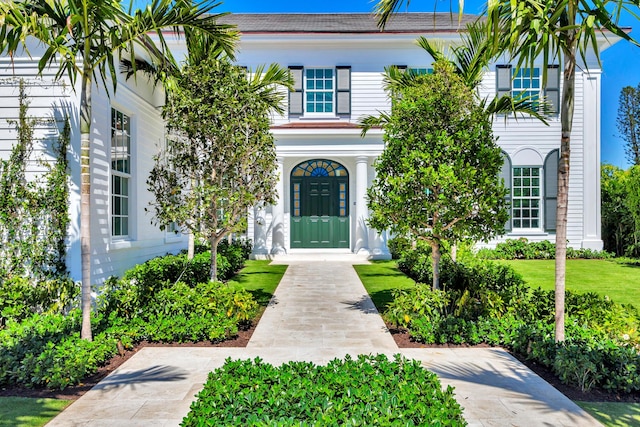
x=319, y=205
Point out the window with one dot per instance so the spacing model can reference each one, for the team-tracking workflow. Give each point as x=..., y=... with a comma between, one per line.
x=420, y=71
x=525, y=198
x=319, y=88
x=323, y=91
x=120, y=173
x=533, y=194
x=527, y=82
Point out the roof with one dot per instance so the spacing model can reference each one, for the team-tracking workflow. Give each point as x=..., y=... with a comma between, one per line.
x=346, y=22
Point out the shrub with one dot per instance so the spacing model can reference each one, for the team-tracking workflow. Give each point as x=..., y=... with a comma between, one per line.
x=369, y=390
x=20, y=297
x=523, y=249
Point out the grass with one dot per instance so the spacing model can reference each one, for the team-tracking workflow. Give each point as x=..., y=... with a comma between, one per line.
x=613, y=414
x=259, y=278
x=380, y=278
x=40, y=411
x=621, y=282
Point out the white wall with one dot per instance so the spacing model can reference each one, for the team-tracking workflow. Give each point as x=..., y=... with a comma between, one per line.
x=137, y=98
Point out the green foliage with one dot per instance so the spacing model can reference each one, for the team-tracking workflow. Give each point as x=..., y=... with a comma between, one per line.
x=628, y=122
x=369, y=390
x=221, y=157
x=46, y=350
x=34, y=212
x=523, y=249
x=485, y=302
x=150, y=303
x=437, y=178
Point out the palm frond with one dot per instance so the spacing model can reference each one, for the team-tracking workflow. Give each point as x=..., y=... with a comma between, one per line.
x=369, y=122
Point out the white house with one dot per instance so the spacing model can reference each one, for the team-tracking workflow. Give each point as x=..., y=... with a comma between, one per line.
x=325, y=166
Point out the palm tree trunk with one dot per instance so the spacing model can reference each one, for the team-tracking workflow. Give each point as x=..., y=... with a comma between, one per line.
x=563, y=185
x=85, y=204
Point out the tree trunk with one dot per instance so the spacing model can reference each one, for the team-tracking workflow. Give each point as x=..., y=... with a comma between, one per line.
x=191, y=248
x=85, y=205
x=435, y=262
x=563, y=183
x=213, y=272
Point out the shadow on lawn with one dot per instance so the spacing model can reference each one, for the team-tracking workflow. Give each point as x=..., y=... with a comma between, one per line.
x=13, y=410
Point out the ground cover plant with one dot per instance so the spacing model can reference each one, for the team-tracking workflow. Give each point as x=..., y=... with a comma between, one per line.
x=369, y=390
x=488, y=302
x=166, y=299
x=29, y=412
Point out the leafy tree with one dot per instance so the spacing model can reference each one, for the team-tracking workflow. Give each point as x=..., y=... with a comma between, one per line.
x=617, y=221
x=221, y=160
x=86, y=39
x=549, y=31
x=437, y=178
x=628, y=122
x=633, y=204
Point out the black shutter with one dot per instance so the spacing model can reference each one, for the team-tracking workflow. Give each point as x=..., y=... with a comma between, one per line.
x=296, y=97
x=343, y=90
x=551, y=189
x=503, y=80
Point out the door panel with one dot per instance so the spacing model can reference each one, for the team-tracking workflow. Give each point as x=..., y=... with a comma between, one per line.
x=320, y=224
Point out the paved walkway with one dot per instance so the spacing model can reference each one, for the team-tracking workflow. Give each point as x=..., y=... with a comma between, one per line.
x=320, y=311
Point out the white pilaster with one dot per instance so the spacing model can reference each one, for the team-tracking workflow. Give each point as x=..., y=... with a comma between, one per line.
x=277, y=222
x=591, y=208
x=362, y=213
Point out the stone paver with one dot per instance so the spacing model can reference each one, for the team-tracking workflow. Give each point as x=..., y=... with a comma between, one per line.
x=320, y=311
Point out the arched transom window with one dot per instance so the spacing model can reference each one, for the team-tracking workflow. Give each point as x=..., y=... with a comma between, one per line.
x=319, y=167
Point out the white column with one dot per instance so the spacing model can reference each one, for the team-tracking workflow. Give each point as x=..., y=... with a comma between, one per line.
x=591, y=237
x=277, y=222
x=361, y=211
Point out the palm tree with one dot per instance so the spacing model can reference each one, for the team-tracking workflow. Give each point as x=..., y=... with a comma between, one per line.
x=549, y=31
x=86, y=39
x=557, y=31
x=470, y=60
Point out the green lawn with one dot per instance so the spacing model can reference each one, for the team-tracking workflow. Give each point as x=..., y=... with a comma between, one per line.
x=621, y=282
x=41, y=411
x=259, y=278
x=379, y=278
x=613, y=414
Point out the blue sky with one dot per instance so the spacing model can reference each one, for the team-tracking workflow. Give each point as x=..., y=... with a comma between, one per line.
x=621, y=63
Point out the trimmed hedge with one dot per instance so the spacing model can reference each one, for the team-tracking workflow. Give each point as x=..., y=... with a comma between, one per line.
x=523, y=249
x=369, y=390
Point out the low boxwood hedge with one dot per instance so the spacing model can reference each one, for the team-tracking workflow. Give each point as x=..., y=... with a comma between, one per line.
x=369, y=390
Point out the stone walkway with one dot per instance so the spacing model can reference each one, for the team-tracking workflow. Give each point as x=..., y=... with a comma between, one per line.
x=320, y=311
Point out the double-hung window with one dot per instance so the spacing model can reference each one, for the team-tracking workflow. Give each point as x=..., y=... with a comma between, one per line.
x=525, y=197
x=527, y=82
x=320, y=91
x=532, y=194
x=120, y=173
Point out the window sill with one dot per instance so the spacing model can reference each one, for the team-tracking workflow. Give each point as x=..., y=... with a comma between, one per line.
x=527, y=232
x=319, y=117
x=173, y=238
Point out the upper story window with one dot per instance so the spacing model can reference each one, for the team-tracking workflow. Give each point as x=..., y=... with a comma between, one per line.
x=320, y=91
x=527, y=82
x=420, y=71
x=120, y=172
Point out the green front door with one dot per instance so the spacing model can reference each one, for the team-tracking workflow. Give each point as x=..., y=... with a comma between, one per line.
x=319, y=211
